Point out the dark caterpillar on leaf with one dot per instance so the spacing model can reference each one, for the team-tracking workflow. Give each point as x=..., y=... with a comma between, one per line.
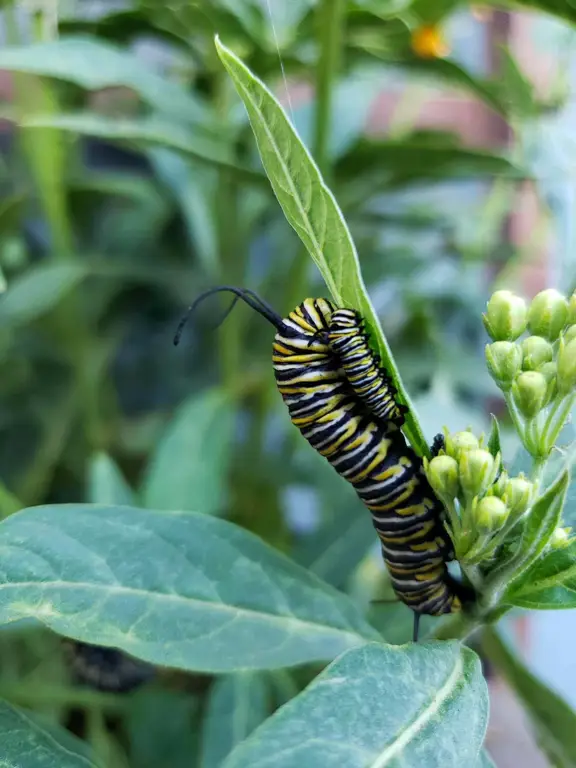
x=345, y=405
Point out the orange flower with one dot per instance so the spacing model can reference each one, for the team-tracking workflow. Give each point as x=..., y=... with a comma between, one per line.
x=428, y=42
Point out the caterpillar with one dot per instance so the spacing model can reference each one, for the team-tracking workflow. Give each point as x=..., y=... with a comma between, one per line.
x=105, y=669
x=345, y=405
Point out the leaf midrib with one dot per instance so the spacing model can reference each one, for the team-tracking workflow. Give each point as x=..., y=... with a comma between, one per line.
x=422, y=719
x=217, y=607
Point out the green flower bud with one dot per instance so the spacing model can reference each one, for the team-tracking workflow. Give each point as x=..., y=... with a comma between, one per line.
x=504, y=359
x=566, y=367
x=490, y=514
x=459, y=442
x=476, y=471
x=549, y=371
x=548, y=314
x=519, y=495
x=572, y=309
x=499, y=487
x=529, y=391
x=505, y=317
x=536, y=351
x=560, y=538
x=570, y=333
x=442, y=473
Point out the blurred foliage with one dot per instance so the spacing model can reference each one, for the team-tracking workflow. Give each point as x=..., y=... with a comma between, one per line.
x=130, y=183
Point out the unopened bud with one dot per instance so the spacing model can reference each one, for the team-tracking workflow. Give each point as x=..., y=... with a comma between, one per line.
x=490, y=514
x=504, y=359
x=476, y=471
x=442, y=474
x=548, y=314
x=536, y=351
x=499, y=487
x=519, y=495
x=560, y=538
x=572, y=309
x=460, y=442
x=529, y=391
x=570, y=333
x=566, y=367
x=506, y=315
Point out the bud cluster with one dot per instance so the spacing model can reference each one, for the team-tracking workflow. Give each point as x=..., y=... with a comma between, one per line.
x=482, y=501
x=536, y=373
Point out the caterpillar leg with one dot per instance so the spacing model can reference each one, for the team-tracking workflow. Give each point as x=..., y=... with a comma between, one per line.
x=416, y=627
x=438, y=444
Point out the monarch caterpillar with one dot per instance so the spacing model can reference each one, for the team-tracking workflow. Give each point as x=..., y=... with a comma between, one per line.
x=344, y=403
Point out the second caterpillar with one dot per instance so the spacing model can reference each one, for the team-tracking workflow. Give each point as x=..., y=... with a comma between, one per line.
x=344, y=404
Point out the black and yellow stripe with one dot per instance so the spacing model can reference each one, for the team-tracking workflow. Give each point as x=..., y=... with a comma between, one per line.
x=344, y=404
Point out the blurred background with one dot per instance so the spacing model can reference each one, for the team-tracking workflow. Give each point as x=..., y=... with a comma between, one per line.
x=129, y=183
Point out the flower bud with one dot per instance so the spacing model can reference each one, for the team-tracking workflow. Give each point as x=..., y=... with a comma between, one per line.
x=442, y=474
x=505, y=317
x=529, y=391
x=560, y=538
x=548, y=314
x=499, y=487
x=572, y=309
x=570, y=333
x=504, y=359
x=476, y=471
x=490, y=514
x=566, y=367
x=460, y=442
x=536, y=351
x=519, y=495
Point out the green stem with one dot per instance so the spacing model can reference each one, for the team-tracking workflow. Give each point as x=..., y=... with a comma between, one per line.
x=331, y=19
x=556, y=420
x=516, y=418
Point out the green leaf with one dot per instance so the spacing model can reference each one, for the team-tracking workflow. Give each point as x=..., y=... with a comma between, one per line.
x=414, y=705
x=146, y=131
x=25, y=744
x=421, y=156
x=106, y=484
x=485, y=761
x=549, y=584
x=37, y=291
x=183, y=590
x=170, y=741
x=93, y=65
x=494, y=439
x=513, y=89
x=189, y=467
x=311, y=209
x=237, y=704
x=553, y=720
x=543, y=519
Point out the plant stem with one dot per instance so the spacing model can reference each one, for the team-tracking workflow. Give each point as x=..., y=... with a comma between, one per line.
x=37, y=694
x=331, y=16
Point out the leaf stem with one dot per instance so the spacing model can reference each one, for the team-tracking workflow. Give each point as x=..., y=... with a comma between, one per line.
x=35, y=694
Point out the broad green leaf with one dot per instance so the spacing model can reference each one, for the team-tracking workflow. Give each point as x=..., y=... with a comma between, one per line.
x=183, y=590
x=170, y=741
x=25, y=744
x=543, y=519
x=413, y=705
x=145, y=131
x=237, y=704
x=93, y=64
x=106, y=484
x=549, y=584
x=311, y=209
x=37, y=291
x=189, y=467
x=553, y=720
x=485, y=761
